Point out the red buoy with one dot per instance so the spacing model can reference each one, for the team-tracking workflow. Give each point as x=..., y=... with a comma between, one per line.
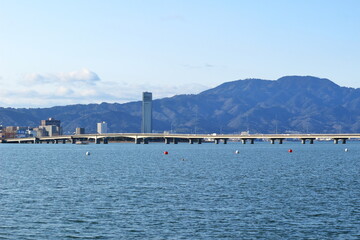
x=290, y=150
x=166, y=152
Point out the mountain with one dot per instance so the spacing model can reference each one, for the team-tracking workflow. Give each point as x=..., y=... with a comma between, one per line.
x=291, y=103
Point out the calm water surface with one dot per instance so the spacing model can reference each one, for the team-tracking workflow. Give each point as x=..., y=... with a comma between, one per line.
x=128, y=191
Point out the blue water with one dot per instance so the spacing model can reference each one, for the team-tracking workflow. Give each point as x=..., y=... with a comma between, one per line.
x=129, y=191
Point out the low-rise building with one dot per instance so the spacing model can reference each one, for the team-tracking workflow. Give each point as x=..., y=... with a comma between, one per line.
x=10, y=132
x=79, y=131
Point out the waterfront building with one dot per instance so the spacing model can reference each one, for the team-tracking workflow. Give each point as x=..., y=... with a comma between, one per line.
x=14, y=132
x=2, y=132
x=102, y=127
x=50, y=127
x=79, y=131
x=146, y=123
x=40, y=132
x=51, y=121
x=30, y=132
x=10, y=131
x=51, y=130
x=21, y=132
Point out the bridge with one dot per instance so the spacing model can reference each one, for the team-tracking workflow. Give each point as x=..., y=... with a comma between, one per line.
x=145, y=138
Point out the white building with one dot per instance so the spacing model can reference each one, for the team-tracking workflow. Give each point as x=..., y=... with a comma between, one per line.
x=102, y=127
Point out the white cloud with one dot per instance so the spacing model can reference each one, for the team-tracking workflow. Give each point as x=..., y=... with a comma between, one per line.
x=83, y=87
x=83, y=76
x=90, y=93
x=35, y=78
x=63, y=91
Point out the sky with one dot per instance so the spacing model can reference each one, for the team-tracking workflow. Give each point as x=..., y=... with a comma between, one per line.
x=61, y=52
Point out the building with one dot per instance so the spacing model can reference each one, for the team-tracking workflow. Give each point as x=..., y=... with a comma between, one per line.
x=50, y=121
x=21, y=132
x=2, y=132
x=9, y=132
x=31, y=132
x=16, y=132
x=50, y=127
x=102, y=127
x=146, y=123
x=52, y=130
x=79, y=131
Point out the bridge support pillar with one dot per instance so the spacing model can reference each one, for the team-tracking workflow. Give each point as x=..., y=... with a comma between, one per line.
x=176, y=141
x=216, y=141
x=272, y=140
x=336, y=141
x=344, y=141
x=281, y=140
x=97, y=140
x=225, y=140
x=56, y=141
x=191, y=140
x=303, y=140
x=137, y=140
x=252, y=141
x=106, y=140
x=64, y=141
x=199, y=141
x=167, y=140
x=311, y=141
x=243, y=141
x=145, y=141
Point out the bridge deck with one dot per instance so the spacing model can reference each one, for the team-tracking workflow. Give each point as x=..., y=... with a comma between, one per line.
x=145, y=137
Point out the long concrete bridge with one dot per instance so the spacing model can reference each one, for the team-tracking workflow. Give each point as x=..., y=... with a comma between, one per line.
x=145, y=138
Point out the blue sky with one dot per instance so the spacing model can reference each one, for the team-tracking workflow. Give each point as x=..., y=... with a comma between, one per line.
x=83, y=51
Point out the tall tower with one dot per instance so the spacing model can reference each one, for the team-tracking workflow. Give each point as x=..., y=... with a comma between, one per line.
x=146, y=123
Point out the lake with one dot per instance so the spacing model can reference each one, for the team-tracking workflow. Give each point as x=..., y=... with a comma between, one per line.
x=129, y=191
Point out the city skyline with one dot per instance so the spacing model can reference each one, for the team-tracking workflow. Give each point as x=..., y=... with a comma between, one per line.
x=70, y=52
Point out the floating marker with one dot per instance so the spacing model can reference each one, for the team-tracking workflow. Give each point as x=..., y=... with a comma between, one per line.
x=346, y=150
x=87, y=153
x=237, y=152
x=290, y=150
x=166, y=152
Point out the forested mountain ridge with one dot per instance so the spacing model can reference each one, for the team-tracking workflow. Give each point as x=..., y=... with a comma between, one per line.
x=292, y=103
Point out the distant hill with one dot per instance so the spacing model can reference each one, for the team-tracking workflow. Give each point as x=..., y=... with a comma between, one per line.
x=294, y=103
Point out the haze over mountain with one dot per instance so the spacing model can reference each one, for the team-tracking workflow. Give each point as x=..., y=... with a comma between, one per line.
x=293, y=103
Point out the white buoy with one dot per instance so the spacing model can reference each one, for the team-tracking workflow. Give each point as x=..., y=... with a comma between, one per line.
x=346, y=150
x=87, y=153
x=237, y=152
